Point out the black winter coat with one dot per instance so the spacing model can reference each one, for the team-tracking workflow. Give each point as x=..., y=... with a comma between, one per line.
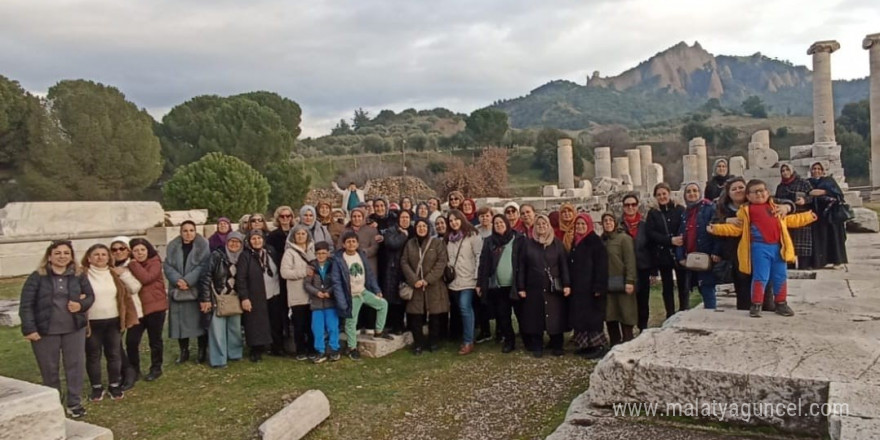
x=489, y=258
x=391, y=276
x=542, y=308
x=662, y=224
x=35, y=309
x=640, y=241
x=588, y=269
x=250, y=285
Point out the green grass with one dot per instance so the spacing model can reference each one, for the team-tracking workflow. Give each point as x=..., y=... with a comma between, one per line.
x=10, y=288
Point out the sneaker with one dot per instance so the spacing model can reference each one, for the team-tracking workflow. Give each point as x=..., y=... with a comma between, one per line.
x=75, y=412
x=301, y=356
x=483, y=337
x=320, y=359
x=97, y=394
x=783, y=309
x=354, y=355
x=116, y=392
x=334, y=356
x=755, y=310
x=313, y=356
x=382, y=335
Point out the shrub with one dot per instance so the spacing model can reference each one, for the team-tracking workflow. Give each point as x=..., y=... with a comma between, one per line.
x=288, y=184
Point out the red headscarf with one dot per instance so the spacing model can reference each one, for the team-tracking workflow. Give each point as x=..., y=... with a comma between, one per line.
x=473, y=213
x=590, y=228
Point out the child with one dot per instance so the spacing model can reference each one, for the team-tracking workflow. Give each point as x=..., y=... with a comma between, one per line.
x=765, y=246
x=319, y=286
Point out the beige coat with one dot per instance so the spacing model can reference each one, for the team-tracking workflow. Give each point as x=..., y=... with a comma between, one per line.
x=294, y=268
x=468, y=261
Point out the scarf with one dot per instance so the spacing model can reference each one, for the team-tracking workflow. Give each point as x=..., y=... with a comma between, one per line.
x=310, y=240
x=690, y=230
x=632, y=224
x=590, y=228
x=232, y=257
x=498, y=241
x=454, y=236
x=791, y=178
x=473, y=213
x=263, y=257
x=547, y=238
x=566, y=229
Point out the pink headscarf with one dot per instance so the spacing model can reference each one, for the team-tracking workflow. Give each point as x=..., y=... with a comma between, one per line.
x=590, y=228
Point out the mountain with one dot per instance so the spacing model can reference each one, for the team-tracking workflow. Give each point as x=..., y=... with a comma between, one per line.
x=672, y=83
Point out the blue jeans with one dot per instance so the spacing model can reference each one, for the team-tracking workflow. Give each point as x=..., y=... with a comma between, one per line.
x=224, y=339
x=464, y=299
x=325, y=319
x=707, y=291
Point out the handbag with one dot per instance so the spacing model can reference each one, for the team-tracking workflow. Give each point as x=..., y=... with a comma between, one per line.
x=227, y=305
x=616, y=283
x=698, y=262
x=449, y=272
x=841, y=213
x=404, y=289
x=183, y=295
x=723, y=271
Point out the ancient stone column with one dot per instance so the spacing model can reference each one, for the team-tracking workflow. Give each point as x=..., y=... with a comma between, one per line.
x=697, y=147
x=602, y=156
x=872, y=43
x=736, y=166
x=655, y=176
x=565, y=161
x=620, y=167
x=690, y=170
x=647, y=157
x=823, y=102
x=635, y=167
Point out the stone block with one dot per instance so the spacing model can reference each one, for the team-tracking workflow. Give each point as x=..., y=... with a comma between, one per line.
x=690, y=168
x=762, y=136
x=576, y=193
x=602, y=158
x=826, y=150
x=587, y=186
x=654, y=174
x=606, y=185
x=295, y=420
x=619, y=167
x=551, y=191
x=736, y=166
x=9, y=313
x=83, y=431
x=865, y=221
x=30, y=411
x=800, y=152
x=854, y=411
x=763, y=158
x=755, y=146
x=376, y=348
x=854, y=198
x=175, y=218
x=635, y=165
x=73, y=219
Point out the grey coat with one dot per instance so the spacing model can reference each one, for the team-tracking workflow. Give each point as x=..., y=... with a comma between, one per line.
x=184, y=317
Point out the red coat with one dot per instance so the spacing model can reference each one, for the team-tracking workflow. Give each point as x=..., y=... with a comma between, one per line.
x=154, y=297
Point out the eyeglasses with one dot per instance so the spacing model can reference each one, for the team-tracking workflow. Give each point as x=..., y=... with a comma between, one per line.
x=118, y=249
x=759, y=191
x=509, y=211
x=630, y=205
x=454, y=198
x=257, y=220
x=285, y=216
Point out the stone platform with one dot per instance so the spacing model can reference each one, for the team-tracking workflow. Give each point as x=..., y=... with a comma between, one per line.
x=375, y=348
x=827, y=353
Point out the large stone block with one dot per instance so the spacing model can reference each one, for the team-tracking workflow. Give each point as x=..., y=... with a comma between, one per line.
x=75, y=219
x=21, y=257
x=376, y=348
x=175, y=218
x=29, y=411
x=736, y=166
x=295, y=420
x=763, y=159
x=602, y=158
x=9, y=313
x=800, y=151
x=826, y=150
x=551, y=191
x=854, y=411
x=84, y=431
x=865, y=221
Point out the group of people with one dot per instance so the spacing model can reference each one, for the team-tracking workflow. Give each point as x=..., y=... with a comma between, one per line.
x=372, y=265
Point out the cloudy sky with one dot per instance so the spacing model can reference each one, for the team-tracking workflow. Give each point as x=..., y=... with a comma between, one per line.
x=334, y=56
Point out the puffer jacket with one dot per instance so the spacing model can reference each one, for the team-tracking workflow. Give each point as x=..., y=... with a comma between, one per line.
x=36, y=305
x=154, y=297
x=314, y=283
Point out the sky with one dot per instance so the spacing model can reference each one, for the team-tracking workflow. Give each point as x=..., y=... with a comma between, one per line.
x=332, y=57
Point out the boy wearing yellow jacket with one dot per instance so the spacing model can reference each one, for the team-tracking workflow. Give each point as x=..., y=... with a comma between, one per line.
x=765, y=246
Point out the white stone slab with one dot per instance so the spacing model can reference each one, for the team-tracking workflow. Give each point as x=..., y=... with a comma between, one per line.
x=736, y=166
x=800, y=151
x=9, y=313
x=175, y=218
x=77, y=430
x=295, y=420
x=30, y=411
x=73, y=219
x=865, y=221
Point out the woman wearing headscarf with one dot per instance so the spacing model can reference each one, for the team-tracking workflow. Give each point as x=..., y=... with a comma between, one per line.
x=224, y=332
x=186, y=258
x=325, y=218
x=309, y=218
x=662, y=227
x=389, y=279
x=698, y=214
x=469, y=209
x=120, y=255
x=217, y=240
x=406, y=204
x=441, y=226
x=463, y=247
x=294, y=269
x=146, y=266
x=715, y=185
x=829, y=236
x=367, y=235
x=621, y=310
x=54, y=302
x=423, y=212
x=496, y=279
x=797, y=190
x=588, y=269
x=257, y=282
x=422, y=264
x=543, y=284
x=633, y=224
x=564, y=231
x=382, y=216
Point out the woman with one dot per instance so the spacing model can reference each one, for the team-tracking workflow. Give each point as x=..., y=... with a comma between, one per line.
x=463, y=246
x=469, y=209
x=484, y=226
x=423, y=212
x=797, y=190
x=277, y=239
x=120, y=254
x=257, y=222
x=112, y=312
x=662, y=227
x=224, y=332
x=634, y=225
x=389, y=279
x=621, y=310
x=497, y=276
x=367, y=237
x=382, y=217
x=441, y=226
x=217, y=240
x=325, y=219
x=698, y=214
x=728, y=203
x=422, y=264
x=146, y=266
x=186, y=257
x=406, y=204
x=309, y=219
x=588, y=269
x=829, y=236
x=54, y=302
x=294, y=269
x=256, y=281
x=565, y=229
x=244, y=223
x=433, y=210
x=715, y=185
x=542, y=284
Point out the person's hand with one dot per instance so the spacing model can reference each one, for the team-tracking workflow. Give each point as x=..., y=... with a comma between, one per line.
x=566, y=291
x=74, y=307
x=817, y=192
x=709, y=228
x=379, y=239
x=478, y=290
x=310, y=271
x=715, y=258
x=629, y=289
x=182, y=285
x=118, y=270
x=246, y=305
x=522, y=293
x=420, y=283
x=677, y=241
x=33, y=337
x=800, y=201
x=378, y=295
x=734, y=221
x=782, y=210
x=205, y=307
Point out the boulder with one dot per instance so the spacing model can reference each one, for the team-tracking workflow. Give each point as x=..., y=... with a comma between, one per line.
x=30, y=411
x=296, y=419
x=9, y=313
x=865, y=220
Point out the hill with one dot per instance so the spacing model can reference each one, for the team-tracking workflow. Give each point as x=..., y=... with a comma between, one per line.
x=674, y=82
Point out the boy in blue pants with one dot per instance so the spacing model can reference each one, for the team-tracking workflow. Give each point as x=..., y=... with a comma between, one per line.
x=765, y=246
x=320, y=289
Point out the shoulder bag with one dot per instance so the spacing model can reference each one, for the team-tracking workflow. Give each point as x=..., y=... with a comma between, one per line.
x=404, y=289
x=178, y=295
x=698, y=262
x=227, y=305
x=555, y=282
x=449, y=272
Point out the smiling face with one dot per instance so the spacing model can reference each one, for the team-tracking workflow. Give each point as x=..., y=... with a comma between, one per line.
x=662, y=196
x=692, y=193
x=324, y=210
x=223, y=227
x=119, y=251
x=528, y=215
x=440, y=225
x=499, y=226
x=433, y=204
x=404, y=219
x=785, y=172
x=542, y=226
x=737, y=192
x=140, y=253
x=300, y=237
x=380, y=208
x=454, y=223
x=486, y=219
x=357, y=219
x=256, y=241
x=422, y=211
x=567, y=215
x=512, y=214
x=467, y=207
x=608, y=224
x=234, y=245
x=758, y=194
x=99, y=257
x=580, y=226
x=350, y=245
x=60, y=256
x=721, y=169
x=454, y=202
x=406, y=204
x=422, y=229
x=630, y=206
x=308, y=217
x=817, y=171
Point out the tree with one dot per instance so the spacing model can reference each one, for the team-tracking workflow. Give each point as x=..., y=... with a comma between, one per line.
x=417, y=142
x=754, y=106
x=259, y=128
x=546, y=157
x=486, y=177
x=856, y=117
x=697, y=129
x=361, y=119
x=341, y=129
x=95, y=146
x=375, y=144
x=487, y=126
x=19, y=118
x=854, y=154
x=288, y=184
x=224, y=185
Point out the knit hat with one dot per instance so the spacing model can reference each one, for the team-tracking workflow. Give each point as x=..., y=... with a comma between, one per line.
x=513, y=204
x=120, y=239
x=223, y=219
